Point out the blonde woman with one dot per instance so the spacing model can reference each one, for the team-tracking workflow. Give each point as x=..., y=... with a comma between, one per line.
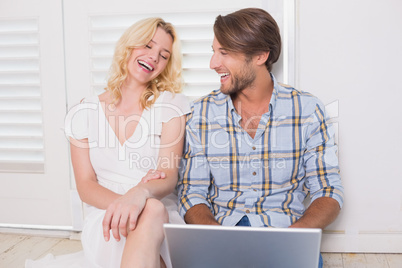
x=122, y=140
x=144, y=115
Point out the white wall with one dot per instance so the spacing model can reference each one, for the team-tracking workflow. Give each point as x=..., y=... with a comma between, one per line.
x=351, y=52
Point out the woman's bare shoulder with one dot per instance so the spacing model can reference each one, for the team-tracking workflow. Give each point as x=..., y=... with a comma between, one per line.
x=105, y=97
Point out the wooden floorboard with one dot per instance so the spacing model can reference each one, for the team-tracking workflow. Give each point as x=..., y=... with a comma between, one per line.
x=65, y=246
x=30, y=247
x=15, y=249
x=7, y=241
x=352, y=260
x=394, y=260
x=333, y=260
x=376, y=260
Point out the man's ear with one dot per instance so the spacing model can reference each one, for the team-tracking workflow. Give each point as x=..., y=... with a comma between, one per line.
x=262, y=57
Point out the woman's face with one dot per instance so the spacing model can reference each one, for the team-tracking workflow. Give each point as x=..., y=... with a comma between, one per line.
x=147, y=62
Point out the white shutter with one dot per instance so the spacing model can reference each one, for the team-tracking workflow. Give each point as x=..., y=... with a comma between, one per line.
x=194, y=30
x=34, y=174
x=99, y=26
x=21, y=131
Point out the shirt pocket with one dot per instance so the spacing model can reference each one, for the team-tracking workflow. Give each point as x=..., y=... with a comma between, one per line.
x=286, y=167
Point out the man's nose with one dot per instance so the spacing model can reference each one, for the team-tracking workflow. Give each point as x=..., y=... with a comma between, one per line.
x=214, y=62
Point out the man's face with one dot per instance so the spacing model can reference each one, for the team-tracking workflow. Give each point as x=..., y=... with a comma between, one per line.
x=235, y=69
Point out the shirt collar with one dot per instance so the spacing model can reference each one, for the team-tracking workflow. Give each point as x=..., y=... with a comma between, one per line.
x=272, y=102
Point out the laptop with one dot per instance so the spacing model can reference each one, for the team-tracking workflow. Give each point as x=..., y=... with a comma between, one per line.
x=207, y=246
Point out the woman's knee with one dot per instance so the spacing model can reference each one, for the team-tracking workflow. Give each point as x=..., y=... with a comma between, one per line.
x=155, y=210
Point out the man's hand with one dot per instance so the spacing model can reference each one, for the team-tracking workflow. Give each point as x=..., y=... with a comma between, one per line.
x=153, y=175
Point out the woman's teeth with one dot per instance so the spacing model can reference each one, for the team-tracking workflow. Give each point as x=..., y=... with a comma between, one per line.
x=145, y=65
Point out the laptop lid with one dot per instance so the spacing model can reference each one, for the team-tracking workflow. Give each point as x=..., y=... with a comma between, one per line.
x=193, y=246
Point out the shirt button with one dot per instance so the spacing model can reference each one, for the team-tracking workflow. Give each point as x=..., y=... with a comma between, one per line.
x=255, y=190
x=254, y=148
x=254, y=173
x=247, y=211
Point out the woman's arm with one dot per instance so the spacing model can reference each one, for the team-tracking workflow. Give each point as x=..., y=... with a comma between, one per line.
x=170, y=152
x=88, y=187
x=122, y=214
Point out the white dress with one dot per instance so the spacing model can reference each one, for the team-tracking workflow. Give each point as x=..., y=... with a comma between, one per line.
x=118, y=168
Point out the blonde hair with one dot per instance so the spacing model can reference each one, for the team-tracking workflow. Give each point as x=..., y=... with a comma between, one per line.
x=139, y=35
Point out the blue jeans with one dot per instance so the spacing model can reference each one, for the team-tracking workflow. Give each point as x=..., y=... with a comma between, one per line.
x=245, y=222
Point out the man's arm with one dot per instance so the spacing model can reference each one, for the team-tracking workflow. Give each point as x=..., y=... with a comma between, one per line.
x=323, y=180
x=195, y=176
x=200, y=214
x=319, y=214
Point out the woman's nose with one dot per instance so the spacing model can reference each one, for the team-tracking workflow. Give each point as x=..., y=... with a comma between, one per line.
x=153, y=55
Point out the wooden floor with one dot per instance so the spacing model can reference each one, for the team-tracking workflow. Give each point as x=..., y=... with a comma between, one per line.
x=14, y=249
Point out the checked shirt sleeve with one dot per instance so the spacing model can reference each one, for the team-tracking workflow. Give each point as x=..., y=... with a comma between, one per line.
x=320, y=159
x=194, y=179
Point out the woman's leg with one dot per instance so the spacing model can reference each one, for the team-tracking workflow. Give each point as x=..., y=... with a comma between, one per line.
x=143, y=244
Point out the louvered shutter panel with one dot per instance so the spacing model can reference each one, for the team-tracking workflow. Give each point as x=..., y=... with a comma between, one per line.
x=194, y=30
x=21, y=130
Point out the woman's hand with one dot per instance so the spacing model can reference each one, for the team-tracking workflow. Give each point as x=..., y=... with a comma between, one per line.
x=122, y=214
x=153, y=175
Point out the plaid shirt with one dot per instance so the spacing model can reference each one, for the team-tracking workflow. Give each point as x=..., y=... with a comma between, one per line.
x=266, y=178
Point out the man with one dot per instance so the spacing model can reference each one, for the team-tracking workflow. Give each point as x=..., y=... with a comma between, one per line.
x=255, y=148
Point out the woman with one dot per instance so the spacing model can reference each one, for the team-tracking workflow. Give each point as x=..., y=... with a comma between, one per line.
x=125, y=147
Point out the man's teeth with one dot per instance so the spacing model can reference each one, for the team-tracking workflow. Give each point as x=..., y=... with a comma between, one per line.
x=146, y=65
x=222, y=75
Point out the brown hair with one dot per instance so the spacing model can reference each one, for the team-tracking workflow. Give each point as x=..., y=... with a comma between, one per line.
x=249, y=31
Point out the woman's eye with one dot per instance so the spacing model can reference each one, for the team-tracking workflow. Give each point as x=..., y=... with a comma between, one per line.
x=147, y=46
x=163, y=57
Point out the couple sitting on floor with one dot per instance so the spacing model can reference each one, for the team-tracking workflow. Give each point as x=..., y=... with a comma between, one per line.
x=246, y=154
